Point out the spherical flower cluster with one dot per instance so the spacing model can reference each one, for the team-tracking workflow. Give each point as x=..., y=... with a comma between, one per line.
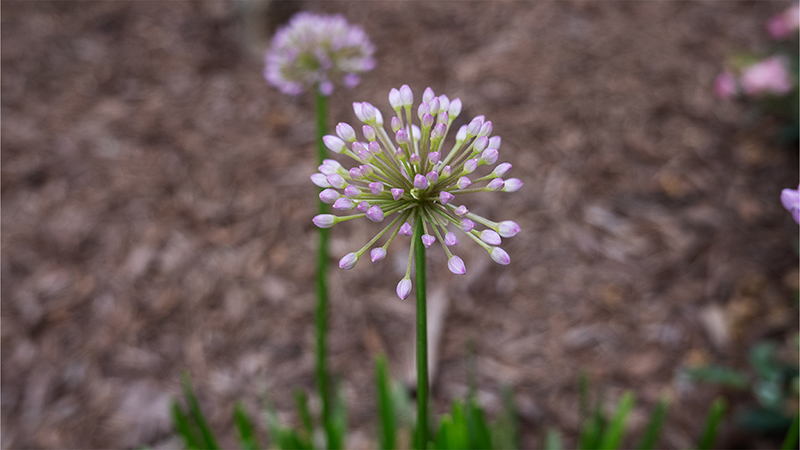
x=412, y=177
x=770, y=76
x=791, y=201
x=312, y=50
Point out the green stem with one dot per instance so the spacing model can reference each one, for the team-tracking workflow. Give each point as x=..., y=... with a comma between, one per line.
x=321, y=310
x=422, y=337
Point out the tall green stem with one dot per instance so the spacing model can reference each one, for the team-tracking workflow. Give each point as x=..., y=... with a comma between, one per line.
x=321, y=310
x=422, y=337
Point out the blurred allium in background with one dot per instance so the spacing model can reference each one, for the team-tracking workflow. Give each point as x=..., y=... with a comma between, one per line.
x=784, y=25
x=412, y=177
x=791, y=201
x=316, y=51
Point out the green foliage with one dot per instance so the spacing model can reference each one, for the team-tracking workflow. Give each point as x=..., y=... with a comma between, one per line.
x=192, y=424
x=720, y=375
x=712, y=422
x=385, y=404
x=244, y=425
x=653, y=430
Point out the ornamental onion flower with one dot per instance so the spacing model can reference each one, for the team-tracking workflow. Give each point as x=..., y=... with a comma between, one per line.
x=313, y=50
x=409, y=175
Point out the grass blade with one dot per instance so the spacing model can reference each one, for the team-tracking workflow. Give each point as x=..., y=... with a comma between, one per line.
x=613, y=434
x=385, y=406
x=653, y=430
x=209, y=441
x=184, y=427
x=245, y=426
x=301, y=400
x=712, y=422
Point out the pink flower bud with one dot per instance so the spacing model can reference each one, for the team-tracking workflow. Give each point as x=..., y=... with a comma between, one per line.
x=790, y=199
x=489, y=156
x=343, y=204
x=355, y=173
x=401, y=137
x=486, y=129
x=456, y=265
x=336, y=181
x=396, y=124
x=394, y=99
x=450, y=239
x=495, y=142
x=455, y=108
x=467, y=225
x=405, y=229
x=428, y=94
x=508, y=228
x=423, y=109
x=438, y=131
x=406, y=96
x=426, y=120
x=352, y=191
x=512, y=185
x=333, y=143
x=358, y=110
x=463, y=183
x=320, y=180
x=480, y=144
x=470, y=165
x=376, y=188
x=377, y=254
x=501, y=170
x=365, y=156
x=374, y=148
x=366, y=170
x=500, y=256
x=403, y=288
x=496, y=184
x=461, y=135
x=348, y=261
x=428, y=240
x=363, y=206
x=328, y=196
x=375, y=214
x=491, y=237
x=461, y=211
x=369, y=133
x=445, y=197
x=324, y=220
x=444, y=103
x=346, y=132
x=397, y=193
x=433, y=157
x=434, y=104
x=447, y=171
x=432, y=177
x=414, y=158
x=420, y=182
x=474, y=127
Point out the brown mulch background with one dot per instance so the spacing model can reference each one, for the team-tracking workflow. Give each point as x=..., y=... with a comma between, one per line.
x=156, y=214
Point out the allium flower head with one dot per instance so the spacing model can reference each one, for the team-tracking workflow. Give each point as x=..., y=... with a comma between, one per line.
x=313, y=50
x=409, y=174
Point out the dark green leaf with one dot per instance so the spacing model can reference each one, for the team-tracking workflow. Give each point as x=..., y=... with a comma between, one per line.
x=612, y=437
x=385, y=406
x=653, y=430
x=209, y=441
x=712, y=422
x=245, y=426
x=719, y=375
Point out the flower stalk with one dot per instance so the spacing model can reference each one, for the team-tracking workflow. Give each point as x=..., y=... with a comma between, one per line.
x=422, y=337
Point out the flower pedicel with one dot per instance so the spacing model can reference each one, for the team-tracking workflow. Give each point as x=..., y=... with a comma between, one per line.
x=413, y=178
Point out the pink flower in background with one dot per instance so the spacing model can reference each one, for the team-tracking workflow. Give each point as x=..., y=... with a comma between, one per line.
x=791, y=201
x=768, y=77
x=725, y=85
x=784, y=25
x=313, y=50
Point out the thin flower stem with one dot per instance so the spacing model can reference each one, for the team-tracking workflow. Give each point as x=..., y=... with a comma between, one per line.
x=422, y=337
x=321, y=310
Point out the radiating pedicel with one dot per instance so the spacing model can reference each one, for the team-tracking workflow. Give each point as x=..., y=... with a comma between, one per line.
x=409, y=175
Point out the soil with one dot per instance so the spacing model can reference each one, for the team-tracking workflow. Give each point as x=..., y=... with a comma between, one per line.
x=156, y=215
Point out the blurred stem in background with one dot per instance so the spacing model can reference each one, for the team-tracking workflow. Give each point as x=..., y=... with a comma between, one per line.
x=321, y=309
x=422, y=337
